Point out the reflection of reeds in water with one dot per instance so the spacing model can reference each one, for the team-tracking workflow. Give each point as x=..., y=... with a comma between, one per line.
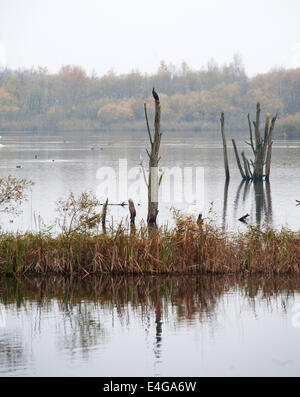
x=79, y=304
x=188, y=294
x=12, y=353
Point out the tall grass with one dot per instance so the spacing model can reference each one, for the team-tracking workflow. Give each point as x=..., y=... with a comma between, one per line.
x=187, y=248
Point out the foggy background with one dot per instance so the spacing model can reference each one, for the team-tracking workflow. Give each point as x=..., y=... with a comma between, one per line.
x=133, y=34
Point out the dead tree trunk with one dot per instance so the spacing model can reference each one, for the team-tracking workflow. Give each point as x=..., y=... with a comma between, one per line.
x=238, y=160
x=226, y=167
x=258, y=148
x=153, y=178
x=269, y=148
x=261, y=148
x=246, y=167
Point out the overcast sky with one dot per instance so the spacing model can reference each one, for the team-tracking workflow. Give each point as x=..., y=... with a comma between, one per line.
x=123, y=35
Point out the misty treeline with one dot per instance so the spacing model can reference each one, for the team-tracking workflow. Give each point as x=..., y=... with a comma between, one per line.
x=71, y=100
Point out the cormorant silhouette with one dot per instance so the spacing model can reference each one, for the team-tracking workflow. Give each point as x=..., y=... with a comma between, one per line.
x=243, y=218
x=155, y=96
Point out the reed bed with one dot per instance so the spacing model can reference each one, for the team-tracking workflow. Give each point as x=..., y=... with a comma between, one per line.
x=188, y=248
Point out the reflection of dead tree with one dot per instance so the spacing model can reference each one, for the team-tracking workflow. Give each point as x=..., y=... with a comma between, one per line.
x=262, y=199
x=246, y=190
x=238, y=194
x=158, y=329
x=225, y=199
x=260, y=204
x=269, y=211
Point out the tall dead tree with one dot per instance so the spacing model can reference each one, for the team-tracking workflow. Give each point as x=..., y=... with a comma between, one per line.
x=153, y=177
x=269, y=148
x=226, y=166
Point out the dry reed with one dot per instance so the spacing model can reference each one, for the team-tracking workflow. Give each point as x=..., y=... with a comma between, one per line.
x=189, y=247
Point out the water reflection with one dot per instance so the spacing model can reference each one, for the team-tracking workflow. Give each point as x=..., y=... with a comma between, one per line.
x=79, y=317
x=262, y=202
x=225, y=200
x=76, y=168
x=12, y=353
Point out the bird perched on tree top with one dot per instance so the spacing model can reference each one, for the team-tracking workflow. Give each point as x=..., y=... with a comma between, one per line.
x=155, y=96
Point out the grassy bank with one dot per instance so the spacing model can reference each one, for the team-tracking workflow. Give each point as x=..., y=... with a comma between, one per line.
x=187, y=248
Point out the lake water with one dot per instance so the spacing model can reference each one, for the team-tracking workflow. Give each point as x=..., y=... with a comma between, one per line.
x=188, y=326
x=174, y=326
x=78, y=164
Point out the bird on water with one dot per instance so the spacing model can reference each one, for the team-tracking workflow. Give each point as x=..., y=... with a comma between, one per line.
x=155, y=96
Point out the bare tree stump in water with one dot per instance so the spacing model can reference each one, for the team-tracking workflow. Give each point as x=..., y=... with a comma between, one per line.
x=261, y=148
x=132, y=212
x=153, y=178
x=103, y=216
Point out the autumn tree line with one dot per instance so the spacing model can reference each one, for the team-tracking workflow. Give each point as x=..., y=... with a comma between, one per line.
x=191, y=99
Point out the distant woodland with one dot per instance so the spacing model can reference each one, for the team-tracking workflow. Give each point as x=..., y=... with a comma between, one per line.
x=191, y=99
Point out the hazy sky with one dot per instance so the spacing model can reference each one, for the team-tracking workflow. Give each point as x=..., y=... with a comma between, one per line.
x=125, y=34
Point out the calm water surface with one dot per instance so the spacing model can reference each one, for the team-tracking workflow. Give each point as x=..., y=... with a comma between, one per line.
x=188, y=326
x=185, y=326
x=78, y=157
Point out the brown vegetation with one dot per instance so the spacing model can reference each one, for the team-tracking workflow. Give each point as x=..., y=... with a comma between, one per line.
x=71, y=100
x=188, y=248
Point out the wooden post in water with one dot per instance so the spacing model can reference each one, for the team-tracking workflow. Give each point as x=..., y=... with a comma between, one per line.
x=103, y=216
x=226, y=167
x=153, y=178
x=132, y=212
